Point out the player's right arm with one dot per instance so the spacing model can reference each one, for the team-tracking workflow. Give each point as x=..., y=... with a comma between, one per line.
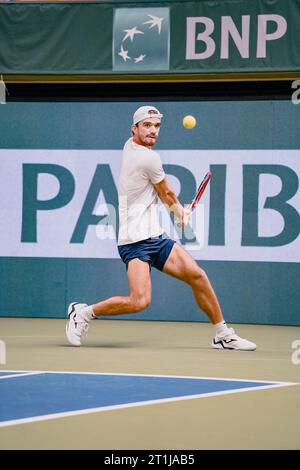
x=169, y=198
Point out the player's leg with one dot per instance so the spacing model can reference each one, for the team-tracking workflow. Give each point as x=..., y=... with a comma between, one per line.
x=139, y=297
x=80, y=315
x=182, y=266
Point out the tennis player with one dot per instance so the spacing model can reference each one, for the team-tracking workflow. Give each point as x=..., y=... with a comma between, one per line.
x=142, y=243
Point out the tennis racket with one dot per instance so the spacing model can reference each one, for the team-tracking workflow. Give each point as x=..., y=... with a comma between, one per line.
x=199, y=193
x=200, y=190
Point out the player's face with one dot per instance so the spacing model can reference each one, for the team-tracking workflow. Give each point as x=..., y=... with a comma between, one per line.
x=146, y=131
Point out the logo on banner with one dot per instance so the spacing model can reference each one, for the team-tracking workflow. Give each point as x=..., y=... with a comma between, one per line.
x=141, y=38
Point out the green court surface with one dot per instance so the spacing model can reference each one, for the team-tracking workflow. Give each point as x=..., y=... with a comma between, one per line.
x=256, y=419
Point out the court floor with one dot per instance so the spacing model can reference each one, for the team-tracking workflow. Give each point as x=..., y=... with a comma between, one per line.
x=147, y=385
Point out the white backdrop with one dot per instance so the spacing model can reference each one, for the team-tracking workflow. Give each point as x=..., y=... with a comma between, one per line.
x=55, y=227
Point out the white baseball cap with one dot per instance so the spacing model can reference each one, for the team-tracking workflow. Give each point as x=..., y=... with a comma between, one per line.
x=145, y=112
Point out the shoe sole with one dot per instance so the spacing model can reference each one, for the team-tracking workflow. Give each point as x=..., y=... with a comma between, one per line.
x=220, y=346
x=71, y=309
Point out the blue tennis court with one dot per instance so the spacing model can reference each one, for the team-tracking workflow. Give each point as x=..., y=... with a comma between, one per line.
x=30, y=396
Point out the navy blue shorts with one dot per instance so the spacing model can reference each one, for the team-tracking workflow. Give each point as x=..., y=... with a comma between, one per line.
x=154, y=250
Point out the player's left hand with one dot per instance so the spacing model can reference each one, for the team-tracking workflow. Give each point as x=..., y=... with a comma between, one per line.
x=186, y=215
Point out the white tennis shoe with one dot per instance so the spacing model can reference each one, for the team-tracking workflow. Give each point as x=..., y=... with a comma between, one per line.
x=76, y=327
x=229, y=340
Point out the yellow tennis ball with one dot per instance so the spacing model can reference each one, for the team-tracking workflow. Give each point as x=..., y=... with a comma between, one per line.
x=189, y=122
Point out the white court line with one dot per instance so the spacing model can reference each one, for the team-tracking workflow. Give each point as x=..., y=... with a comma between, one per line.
x=271, y=382
x=131, y=405
x=13, y=376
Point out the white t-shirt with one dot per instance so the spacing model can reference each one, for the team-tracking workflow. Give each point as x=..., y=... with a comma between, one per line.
x=138, y=215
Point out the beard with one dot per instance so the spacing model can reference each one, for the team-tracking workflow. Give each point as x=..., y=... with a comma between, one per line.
x=150, y=140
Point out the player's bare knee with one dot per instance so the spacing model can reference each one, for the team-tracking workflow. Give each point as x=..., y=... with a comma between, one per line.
x=198, y=277
x=140, y=303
